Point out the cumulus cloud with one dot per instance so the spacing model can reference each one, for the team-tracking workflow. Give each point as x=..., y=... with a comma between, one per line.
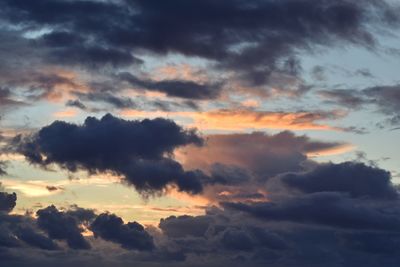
x=62, y=226
x=138, y=150
x=131, y=235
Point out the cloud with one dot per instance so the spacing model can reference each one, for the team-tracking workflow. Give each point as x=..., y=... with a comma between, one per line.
x=348, y=98
x=7, y=201
x=131, y=235
x=311, y=209
x=67, y=113
x=385, y=99
x=3, y=166
x=6, y=99
x=253, y=40
x=76, y=103
x=175, y=88
x=241, y=120
x=108, y=98
x=296, y=230
x=247, y=239
x=138, y=150
x=62, y=226
x=184, y=226
x=356, y=179
x=31, y=188
x=35, y=239
x=257, y=152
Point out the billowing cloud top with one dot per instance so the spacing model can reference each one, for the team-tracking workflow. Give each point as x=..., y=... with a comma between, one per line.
x=138, y=150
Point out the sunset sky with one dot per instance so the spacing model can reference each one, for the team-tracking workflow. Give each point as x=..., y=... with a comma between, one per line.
x=199, y=133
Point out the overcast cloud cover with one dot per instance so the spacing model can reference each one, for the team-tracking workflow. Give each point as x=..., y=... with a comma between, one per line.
x=199, y=133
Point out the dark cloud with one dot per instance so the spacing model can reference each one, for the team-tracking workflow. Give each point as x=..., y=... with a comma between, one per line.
x=183, y=226
x=373, y=242
x=62, y=226
x=7, y=201
x=175, y=88
x=76, y=103
x=108, y=98
x=313, y=209
x=83, y=215
x=251, y=238
x=35, y=239
x=52, y=188
x=138, y=150
x=91, y=56
x=356, y=179
x=318, y=229
x=251, y=38
x=3, y=166
x=131, y=235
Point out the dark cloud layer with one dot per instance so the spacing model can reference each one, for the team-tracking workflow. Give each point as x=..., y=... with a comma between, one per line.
x=23, y=231
x=30, y=236
x=326, y=224
x=185, y=226
x=252, y=38
x=138, y=150
x=312, y=209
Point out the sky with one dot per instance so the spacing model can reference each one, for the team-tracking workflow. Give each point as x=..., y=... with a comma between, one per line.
x=199, y=133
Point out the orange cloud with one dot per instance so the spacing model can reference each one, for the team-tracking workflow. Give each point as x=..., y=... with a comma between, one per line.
x=179, y=72
x=68, y=113
x=341, y=149
x=256, y=150
x=236, y=120
x=239, y=120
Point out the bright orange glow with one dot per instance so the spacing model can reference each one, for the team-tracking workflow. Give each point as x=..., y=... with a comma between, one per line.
x=239, y=120
x=68, y=113
x=332, y=151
